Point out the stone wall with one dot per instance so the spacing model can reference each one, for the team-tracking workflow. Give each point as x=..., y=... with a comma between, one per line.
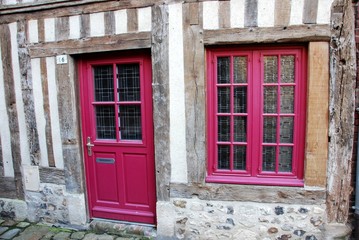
x=199, y=219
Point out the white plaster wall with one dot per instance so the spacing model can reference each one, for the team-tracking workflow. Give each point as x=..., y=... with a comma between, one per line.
x=237, y=13
x=210, y=15
x=39, y=110
x=266, y=13
x=9, y=2
x=54, y=113
x=24, y=145
x=5, y=129
x=97, y=24
x=49, y=25
x=33, y=31
x=74, y=25
x=296, y=14
x=177, y=96
x=324, y=8
x=120, y=21
x=144, y=19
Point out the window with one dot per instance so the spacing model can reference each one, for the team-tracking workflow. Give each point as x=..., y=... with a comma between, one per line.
x=256, y=101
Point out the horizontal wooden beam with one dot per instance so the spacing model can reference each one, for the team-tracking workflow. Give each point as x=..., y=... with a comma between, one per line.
x=52, y=175
x=302, y=33
x=89, y=45
x=264, y=194
x=7, y=188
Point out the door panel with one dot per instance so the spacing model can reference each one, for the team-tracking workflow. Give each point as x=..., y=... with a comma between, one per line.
x=116, y=100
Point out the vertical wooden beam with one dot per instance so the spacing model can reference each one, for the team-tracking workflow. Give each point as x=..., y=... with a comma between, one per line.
x=69, y=126
x=194, y=69
x=48, y=133
x=317, y=131
x=62, y=28
x=10, y=99
x=27, y=93
x=251, y=13
x=282, y=12
x=132, y=20
x=160, y=75
x=109, y=23
x=310, y=11
x=41, y=30
x=85, y=26
x=224, y=14
x=341, y=109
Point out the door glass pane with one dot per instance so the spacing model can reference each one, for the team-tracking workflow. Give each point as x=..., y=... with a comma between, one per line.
x=286, y=129
x=285, y=159
x=129, y=82
x=103, y=83
x=270, y=69
x=287, y=99
x=223, y=157
x=223, y=129
x=105, y=122
x=239, y=161
x=223, y=68
x=224, y=95
x=240, y=129
x=240, y=99
x=270, y=100
x=268, y=158
x=130, y=122
x=269, y=129
x=240, y=69
x=287, y=69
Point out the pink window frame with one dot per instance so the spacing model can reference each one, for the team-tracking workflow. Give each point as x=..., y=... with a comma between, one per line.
x=253, y=173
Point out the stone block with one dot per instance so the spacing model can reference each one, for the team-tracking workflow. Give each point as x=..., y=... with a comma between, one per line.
x=14, y=209
x=31, y=178
x=165, y=219
x=10, y=234
x=23, y=225
x=62, y=236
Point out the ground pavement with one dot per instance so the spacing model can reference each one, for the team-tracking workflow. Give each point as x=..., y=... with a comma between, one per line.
x=98, y=231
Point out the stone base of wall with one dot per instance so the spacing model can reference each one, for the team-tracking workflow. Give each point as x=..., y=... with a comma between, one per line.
x=200, y=219
x=13, y=209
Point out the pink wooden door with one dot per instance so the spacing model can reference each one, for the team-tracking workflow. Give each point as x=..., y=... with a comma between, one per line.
x=117, y=128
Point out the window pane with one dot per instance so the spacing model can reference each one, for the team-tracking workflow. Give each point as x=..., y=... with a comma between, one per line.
x=103, y=83
x=286, y=129
x=269, y=129
x=240, y=99
x=129, y=82
x=223, y=69
x=240, y=129
x=270, y=69
x=287, y=69
x=105, y=122
x=285, y=159
x=224, y=95
x=270, y=100
x=287, y=99
x=223, y=129
x=240, y=69
x=269, y=158
x=130, y=122
x=223, y=157
x=239, y=161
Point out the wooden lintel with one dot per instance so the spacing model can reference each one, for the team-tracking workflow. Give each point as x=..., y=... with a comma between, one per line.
x=302, y=33
x=89, y=45
x=8, y=188
x=52, y=175
x=262, y=194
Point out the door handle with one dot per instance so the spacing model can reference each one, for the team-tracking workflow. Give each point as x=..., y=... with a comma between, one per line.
x=89, y=146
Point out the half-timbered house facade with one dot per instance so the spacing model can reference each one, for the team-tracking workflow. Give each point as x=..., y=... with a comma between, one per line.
x=228, y=119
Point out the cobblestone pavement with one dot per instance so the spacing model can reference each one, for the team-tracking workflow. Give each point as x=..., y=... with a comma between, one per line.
x=10, y=229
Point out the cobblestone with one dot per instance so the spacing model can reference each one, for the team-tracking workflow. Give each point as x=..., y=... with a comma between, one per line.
x=11, y=230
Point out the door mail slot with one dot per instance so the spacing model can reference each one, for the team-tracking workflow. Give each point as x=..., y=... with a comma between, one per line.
x=105, y=160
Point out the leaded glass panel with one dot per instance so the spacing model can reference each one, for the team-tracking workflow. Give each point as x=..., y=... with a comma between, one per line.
x=269, y=156
x=105, y=122
x=130, y=122
x=129, y=82
x=103, y=83
x=286, y=129
x=285, y=159
x=270, y=99
x=287, y=99
x=223, y=157
x=270, y=130
x=240, y=129
x=287, y=69
x=239, y=158
x=224, y=96
x=270, y=69
x=223, y=69
x=224, y=129
x=240, y=69
x=240, y=99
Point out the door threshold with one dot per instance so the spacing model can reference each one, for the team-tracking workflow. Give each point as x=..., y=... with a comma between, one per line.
x=123, y=228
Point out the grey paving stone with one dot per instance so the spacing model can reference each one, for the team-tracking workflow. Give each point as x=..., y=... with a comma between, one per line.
x=78, y=235
x=23, y=224
x=8, y=223
x=3, y=229
x=92, y=236
x=62, y=236
x=33, y=232
x=10, y=234
x=48, y=236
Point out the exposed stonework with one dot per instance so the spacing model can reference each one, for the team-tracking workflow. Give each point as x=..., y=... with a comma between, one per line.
x=13, y=209
x=199, y=219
